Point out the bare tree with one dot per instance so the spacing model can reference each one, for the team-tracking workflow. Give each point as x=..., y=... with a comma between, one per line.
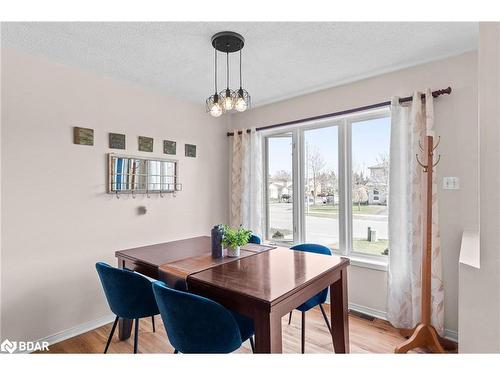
x=359, y=195
x=282, y=175
x=328, y=181
x=315, y=164
x=380, y=179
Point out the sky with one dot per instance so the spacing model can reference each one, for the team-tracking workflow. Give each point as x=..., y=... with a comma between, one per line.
x=369, y=139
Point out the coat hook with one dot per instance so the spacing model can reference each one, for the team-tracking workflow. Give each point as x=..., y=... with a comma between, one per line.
x=420, y=146
x=422, y=165
x=437, y=162
x=133, y=194
x=437, y=143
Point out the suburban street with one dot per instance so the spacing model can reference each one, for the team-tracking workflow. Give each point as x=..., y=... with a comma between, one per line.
x=325, y=230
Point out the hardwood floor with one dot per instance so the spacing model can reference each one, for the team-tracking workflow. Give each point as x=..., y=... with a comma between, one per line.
x=376, y=336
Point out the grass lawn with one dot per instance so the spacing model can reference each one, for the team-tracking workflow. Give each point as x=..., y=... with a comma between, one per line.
x=332, y=211
x=374, y=248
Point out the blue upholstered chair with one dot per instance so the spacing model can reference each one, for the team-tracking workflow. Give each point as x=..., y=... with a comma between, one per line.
x=129, y=296
x=255, y=239
x=195, y=324
x=319, y=298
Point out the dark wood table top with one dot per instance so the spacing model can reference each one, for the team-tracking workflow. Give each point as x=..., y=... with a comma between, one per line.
x=162, y=253
x=270, y=276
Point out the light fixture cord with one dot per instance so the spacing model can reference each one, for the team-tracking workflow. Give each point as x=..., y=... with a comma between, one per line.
x=240, y=70
x=215, y=50
x=227, y=70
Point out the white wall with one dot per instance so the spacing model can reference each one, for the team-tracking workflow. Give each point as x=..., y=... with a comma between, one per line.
x=456, y=122
x=57, y=219
x=479, y=312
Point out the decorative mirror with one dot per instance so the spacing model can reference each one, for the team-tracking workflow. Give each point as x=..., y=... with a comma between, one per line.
x=130, y=174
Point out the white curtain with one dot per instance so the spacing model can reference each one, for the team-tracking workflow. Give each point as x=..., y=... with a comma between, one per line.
x=407, y=182
x=246, y=180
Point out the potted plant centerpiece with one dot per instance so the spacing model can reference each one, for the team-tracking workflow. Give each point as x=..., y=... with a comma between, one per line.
x=234, y=238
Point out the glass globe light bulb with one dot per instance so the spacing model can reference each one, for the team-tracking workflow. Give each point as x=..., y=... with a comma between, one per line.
x=241, y=105
x=216, y=110
x=228, y=103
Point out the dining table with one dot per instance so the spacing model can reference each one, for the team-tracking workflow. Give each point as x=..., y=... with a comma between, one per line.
x=264, y=283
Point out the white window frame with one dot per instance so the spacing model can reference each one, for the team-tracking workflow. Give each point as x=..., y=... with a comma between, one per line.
x=344, y=124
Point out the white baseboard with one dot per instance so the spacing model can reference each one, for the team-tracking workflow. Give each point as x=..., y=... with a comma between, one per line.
x=448, y=333
x=78, y=330
x=451, y=335
x=368, y=311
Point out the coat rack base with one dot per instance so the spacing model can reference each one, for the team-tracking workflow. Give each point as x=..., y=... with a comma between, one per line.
x=422, y=336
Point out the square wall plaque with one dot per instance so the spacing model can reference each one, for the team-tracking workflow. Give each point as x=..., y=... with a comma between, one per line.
x=146, y=144
x=190, y=150
x=169, y=147
x=83, y=136
x=117, y=141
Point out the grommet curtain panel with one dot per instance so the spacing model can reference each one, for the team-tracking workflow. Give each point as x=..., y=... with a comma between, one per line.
x=407, y=181
x=246, y=180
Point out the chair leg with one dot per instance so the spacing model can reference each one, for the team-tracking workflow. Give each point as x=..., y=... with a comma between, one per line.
x=252, y=344
x=176, y=351
x=153, y=321
x=136, y=335
x=326, y=318
x=290, y=318
x=303, y=336
x=111, y=334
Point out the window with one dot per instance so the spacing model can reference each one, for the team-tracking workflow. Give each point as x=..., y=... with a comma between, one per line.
x=328, y=183
x=370, y=183
x=279, y=189
x=321, y=186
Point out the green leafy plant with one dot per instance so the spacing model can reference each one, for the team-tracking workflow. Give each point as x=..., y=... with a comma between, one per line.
x=235, y=237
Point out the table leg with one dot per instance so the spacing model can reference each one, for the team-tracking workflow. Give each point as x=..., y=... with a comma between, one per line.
x=267, y=333
x=124, y=325
x=339, y=314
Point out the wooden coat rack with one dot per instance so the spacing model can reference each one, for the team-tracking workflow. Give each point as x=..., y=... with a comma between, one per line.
x=424, y=334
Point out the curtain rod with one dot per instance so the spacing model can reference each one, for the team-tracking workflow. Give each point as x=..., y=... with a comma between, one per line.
x=435, y=94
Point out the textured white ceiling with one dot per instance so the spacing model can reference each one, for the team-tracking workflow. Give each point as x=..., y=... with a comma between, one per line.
x=280, y=59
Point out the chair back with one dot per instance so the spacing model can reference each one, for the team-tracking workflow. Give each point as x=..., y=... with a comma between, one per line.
x=317, y=249
x=312, y=248
x=129, y=294
x=195, y=324
x=255, y=239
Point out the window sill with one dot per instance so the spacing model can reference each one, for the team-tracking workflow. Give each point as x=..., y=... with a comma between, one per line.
x=366, y=262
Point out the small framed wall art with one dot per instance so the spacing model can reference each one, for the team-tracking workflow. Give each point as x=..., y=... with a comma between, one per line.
x=145, y=144
x=83, y=136
x=169, y=147
x=117, y=141
x=190, y=150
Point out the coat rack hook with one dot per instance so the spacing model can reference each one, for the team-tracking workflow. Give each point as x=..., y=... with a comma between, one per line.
x=422, y=165
x=420, y=146
x=133, y=194
x=437, y=161
x=437, y=143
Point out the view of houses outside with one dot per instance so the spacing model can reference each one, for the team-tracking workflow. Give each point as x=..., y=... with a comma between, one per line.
x=370, y=180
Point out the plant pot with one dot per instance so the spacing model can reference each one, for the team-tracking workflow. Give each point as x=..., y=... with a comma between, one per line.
x=233, y=252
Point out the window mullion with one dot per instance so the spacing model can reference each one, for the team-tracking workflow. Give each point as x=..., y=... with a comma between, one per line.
x=345, y=182
x=297, y=186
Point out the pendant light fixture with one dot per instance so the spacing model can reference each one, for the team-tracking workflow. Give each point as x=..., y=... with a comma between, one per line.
x=227, y=100
x=213, y=104
x=242, y=100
